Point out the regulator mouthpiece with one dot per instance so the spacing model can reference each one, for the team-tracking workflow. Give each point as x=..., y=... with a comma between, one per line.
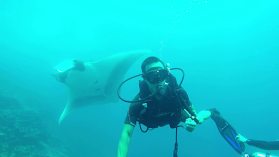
x=162, y=90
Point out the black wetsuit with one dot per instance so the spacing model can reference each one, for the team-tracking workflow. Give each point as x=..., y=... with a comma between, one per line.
x=267, y=145
x=158, y=112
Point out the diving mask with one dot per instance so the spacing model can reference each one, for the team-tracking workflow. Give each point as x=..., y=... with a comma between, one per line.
x=156, y=75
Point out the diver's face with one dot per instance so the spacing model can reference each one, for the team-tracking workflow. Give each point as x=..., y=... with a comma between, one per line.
x=150, y=67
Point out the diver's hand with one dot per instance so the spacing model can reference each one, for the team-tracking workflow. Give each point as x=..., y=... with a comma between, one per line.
x=241, y=138
x=200, y=119
x=203, y=115
x=191, y=124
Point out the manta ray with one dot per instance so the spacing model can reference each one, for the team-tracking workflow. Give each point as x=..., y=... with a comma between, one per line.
x=94, y=83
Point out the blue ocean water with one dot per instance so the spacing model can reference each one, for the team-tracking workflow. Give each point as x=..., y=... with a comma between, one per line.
x=228, y=50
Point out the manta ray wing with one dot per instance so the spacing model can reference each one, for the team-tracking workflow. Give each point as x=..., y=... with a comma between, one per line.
x=98, y=82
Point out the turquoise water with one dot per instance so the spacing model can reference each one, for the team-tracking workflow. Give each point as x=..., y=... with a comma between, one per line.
x=228, y=50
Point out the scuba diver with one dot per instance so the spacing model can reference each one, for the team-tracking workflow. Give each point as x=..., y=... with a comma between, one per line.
x=161, y=101
x=267, y=145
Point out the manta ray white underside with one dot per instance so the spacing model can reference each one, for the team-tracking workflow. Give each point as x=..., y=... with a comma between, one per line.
x=95, y=83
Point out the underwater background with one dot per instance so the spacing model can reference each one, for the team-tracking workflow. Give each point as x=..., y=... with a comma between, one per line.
x=229, y=51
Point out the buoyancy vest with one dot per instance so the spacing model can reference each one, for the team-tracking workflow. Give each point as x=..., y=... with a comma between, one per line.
x=165, y=111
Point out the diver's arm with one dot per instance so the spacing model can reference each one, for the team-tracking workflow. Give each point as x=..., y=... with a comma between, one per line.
x=267, y=145
x=124, y=142
x=191, y=110
x=187, y=103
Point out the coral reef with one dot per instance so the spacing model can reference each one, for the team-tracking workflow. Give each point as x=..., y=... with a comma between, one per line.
x=22, y=132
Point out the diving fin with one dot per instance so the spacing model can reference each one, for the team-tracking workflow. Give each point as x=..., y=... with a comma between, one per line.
x=227, y=131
